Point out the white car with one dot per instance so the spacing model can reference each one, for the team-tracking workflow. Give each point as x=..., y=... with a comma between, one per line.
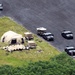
x=48, y=36
x=67, y=34
x=70, y=50
x=1, y=6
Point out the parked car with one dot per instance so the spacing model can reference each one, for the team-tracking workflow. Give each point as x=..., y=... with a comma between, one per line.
x=70, y=50
x=1, y=6
x=32, y=44
x=67, y=34
x=41, y=30
x=48, y=36
x=28, y=35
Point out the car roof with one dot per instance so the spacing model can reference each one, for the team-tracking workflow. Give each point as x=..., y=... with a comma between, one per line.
x=41, y=28
x=0, y=4
x=72, y=51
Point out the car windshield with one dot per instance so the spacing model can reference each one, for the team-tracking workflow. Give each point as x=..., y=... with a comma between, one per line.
x=70, y=48
x=68, y=32
x=48, y=34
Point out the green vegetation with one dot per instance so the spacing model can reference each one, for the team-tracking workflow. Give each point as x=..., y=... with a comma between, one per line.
x=20, y=58
x=59, y=65
x=32, y=62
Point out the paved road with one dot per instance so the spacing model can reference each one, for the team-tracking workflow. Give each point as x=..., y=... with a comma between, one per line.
x=55, y=15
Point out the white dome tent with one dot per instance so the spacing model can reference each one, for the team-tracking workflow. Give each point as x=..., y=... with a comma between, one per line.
x=11, y=37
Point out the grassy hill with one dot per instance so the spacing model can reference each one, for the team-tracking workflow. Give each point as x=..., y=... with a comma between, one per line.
x=20, y=58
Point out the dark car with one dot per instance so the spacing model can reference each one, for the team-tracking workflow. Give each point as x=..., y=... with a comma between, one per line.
x=1, y=6
x=70, y=50
x=48, y=36
x=67, y=34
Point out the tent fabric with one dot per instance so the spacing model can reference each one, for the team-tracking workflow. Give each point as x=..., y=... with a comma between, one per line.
x=9, y=35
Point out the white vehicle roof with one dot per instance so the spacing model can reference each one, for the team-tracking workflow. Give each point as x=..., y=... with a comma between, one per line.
x=27, y=33
x=41, y=28
x=72, y=51
x=31, y=42
x=0, y=4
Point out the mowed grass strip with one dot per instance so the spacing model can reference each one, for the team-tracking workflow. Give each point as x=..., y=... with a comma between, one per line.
x=43, y=51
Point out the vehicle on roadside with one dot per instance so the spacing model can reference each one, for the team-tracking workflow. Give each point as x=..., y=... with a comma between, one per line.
x=48, y=36
x=41, y=30
x=28, y=35
x=1, y=7
x=70, y=50
x=67, y=34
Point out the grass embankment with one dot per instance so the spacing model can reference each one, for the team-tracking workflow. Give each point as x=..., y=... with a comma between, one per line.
x=19, y=58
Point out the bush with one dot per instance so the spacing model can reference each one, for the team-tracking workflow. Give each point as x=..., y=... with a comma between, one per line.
x=59, y=65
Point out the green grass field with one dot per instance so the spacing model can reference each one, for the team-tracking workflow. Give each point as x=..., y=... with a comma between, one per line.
x=20, y=58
